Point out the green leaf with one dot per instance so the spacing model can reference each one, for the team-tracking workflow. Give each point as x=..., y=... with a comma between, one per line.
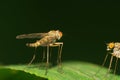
x=72, y=70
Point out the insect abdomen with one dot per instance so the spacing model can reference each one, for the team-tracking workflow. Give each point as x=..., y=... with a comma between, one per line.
x=43, y=42
x=36, y=44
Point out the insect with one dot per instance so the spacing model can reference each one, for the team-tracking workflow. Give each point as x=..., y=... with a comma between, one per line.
x=48, y=39
x=114, y=49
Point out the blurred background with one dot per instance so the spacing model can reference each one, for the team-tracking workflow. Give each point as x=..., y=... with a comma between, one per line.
x=86, y=25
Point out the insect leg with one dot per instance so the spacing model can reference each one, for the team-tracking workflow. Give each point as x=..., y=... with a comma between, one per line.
x=50, y=54
x=109, y=66
x=33, y=58
x=115, y=65
x=47, y=63
x=116, y=62
x=60, y=45
x=60, y=54
x=58, y=61
x=102, y=64
x=43, y=57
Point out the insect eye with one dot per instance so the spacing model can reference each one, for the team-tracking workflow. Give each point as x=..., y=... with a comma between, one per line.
x=58, y=34
x=111, y=45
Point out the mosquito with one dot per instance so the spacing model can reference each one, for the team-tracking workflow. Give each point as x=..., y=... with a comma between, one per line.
x=114, y=49
x=48, y=39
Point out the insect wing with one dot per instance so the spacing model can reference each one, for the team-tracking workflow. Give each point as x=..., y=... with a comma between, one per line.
x=32, y=35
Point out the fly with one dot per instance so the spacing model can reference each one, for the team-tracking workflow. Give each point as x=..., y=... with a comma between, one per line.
x=48, y=39
x=113, y=48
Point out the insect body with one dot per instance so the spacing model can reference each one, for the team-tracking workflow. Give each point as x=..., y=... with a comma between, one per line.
x=46, y=39
x=115, y=47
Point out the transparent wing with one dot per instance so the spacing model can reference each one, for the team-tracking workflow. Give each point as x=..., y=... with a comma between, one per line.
x=32, y=35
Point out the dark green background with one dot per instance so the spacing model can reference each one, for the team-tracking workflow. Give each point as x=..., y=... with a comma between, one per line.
x=86, y=25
